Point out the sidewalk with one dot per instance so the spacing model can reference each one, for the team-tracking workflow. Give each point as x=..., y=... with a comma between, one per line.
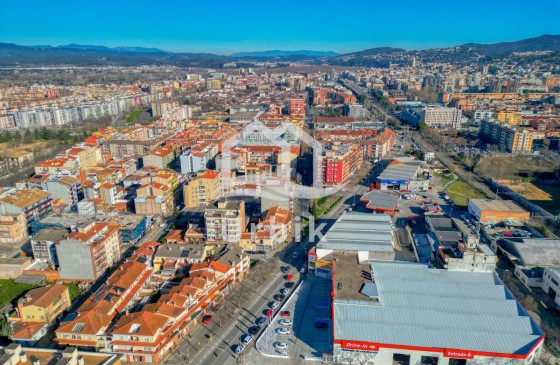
x=195, y=344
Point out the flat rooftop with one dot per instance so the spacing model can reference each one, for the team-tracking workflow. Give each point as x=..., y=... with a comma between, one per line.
x=399, y=172
x=436, y=310
x=378, y=200
x=359, y=232
x=497, y=205
x=350, y=276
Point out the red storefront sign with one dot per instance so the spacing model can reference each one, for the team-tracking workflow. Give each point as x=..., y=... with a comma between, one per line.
x=359, y=346
x=458, y=354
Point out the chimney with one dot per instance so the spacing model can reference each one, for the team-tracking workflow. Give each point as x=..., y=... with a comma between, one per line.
x=81, y=360
x=23, y=357
x=36, y=361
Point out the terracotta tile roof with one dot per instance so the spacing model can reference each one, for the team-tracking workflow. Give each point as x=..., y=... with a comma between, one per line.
x=142, y=323
x=43, y=297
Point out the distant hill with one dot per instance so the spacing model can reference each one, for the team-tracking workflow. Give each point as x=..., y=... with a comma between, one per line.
x=13, y=54
x=88, y=55
x=545, y=42
x=278, y=53
x=372, y=52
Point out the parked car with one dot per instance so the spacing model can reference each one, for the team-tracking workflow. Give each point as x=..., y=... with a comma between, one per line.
x=207, y=319
x=254, y=330
x=279, y=297
x=260, y=321
x=289, y=277
x=283, y=331
x=269, y=312
x=285, y=314
x=280, y=345
x=289, y=284
x=246, y=339
x=274, y=304
x=239, y=349
x=284, y=291
x=285, y=322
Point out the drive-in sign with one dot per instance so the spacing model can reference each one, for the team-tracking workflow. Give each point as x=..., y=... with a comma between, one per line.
x=458, y=354
x=359, y=345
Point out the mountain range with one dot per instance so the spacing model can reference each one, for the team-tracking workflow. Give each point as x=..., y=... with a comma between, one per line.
x=88, y=55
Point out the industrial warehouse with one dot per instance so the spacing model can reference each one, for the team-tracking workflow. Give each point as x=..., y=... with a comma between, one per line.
x=390, y=314
x=401, y=176
x=367, y=236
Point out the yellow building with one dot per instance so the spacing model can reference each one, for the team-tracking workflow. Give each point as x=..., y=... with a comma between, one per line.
x=508, y=137
x=13, y=228
x=42, y=304
x=200, y=191
x=509, y=117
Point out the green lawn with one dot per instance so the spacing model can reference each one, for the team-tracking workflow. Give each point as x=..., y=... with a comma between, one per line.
x=133, y=115
x=10, y=290
x=445, y=178
x=460, y=192
x=73, y=289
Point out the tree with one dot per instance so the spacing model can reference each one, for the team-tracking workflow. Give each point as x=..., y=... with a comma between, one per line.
x=28, y=137
x=421, y=127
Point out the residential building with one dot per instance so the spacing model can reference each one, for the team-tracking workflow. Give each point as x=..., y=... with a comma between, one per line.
x=66, y=189
x=89, y=251
x=159, y=108
x=161, y=157
x=14, y=354
x=225, y=221
x=270, y=233
x=44, y=244
x=355, y=110
x=13, y=229
x=34, y=204
x=442, y=118
x=507, y=137
x=202, y=190
x=340, y=162
x=213, y=84
x=44, y=304
x=88, y=327
x=297, y=106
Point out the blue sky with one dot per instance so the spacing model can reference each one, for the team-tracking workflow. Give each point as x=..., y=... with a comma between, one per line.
x=230, y=26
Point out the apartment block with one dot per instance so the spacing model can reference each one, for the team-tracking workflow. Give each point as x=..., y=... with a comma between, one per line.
x=66, y=189
x=225, y=221
x=340, y=162
x=44, y=244
x=202, y=190
x=34, y=204
x=442, y=118
x=160, y=157
x=13, y=229
x=508, y=137
x=89, y=251
x=271, y=232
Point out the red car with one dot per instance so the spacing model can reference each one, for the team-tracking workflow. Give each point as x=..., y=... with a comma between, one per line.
x=285, y=313
x=289, y=277
x=268, y=313
x=206, y=319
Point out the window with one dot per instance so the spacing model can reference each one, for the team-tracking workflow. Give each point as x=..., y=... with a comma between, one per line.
x=429, y=360
x=401, y=359
x=457, y=361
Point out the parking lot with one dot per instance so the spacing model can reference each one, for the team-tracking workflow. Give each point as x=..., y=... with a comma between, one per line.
x=309, y=303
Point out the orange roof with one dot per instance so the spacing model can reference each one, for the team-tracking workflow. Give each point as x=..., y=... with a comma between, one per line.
x=210, y=174
x=45, y=296
x=142, y=323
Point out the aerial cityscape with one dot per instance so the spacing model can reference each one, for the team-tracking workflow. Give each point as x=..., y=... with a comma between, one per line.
x=283, y=182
